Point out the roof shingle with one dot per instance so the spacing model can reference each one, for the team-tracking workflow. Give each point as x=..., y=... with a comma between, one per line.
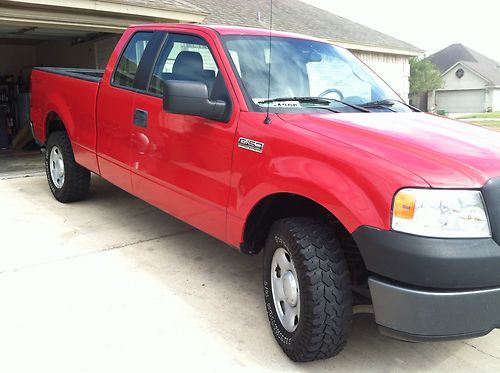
x=298, y=17
x=483, y=65
x=163, y=4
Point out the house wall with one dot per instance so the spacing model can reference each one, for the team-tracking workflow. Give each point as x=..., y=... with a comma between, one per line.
x=470, y=80
x=394, y=69
x=459, y=89
x=495, y=99
x=14, y=57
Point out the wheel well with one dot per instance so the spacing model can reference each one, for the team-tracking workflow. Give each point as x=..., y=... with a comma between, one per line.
x=273, y=208
x=53, y=124
x=283, y=205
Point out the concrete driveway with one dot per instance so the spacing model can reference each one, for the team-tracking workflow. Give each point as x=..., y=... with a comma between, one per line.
x=112, y=284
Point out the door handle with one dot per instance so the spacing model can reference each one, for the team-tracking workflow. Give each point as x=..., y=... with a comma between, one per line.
x=141, y=118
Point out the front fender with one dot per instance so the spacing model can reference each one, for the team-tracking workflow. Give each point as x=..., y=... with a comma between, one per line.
x=354, y=185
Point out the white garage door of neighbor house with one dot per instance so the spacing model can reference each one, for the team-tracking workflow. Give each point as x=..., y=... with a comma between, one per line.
x=460, y=101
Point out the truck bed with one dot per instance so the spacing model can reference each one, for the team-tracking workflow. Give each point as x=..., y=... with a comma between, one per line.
x=93, y=75
x=68, y=96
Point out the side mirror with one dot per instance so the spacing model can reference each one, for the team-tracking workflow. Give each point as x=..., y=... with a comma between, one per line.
x=191, y=98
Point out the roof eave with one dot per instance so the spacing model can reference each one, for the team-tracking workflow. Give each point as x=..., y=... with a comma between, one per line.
x=179, y=14
x=377, y=49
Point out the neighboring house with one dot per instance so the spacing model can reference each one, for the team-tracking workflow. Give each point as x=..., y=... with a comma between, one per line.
x=82, y=33
x=471, y=81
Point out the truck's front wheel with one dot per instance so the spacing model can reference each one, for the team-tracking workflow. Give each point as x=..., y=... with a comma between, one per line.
x=68, y=181
x=307, y=289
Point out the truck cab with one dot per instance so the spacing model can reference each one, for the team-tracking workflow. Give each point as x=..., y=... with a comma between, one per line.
x=291, y=147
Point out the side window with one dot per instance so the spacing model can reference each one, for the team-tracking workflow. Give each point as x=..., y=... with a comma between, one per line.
x=131, y=58
x=184, y=57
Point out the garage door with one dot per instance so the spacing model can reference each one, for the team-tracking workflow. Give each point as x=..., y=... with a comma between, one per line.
x=460, y=101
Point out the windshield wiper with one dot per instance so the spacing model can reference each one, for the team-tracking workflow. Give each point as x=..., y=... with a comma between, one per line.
x=403, y=103
x=305, y=99
x=387, y=103
x=354, y=106
x=314, y=100
x=378, y=104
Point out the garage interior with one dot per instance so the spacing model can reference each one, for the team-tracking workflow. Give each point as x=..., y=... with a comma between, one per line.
x=22, y=48
x=77, y=33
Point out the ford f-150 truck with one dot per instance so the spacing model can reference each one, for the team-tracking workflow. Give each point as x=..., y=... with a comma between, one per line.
x=290, y=146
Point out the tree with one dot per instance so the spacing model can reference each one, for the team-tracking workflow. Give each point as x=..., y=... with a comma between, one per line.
x=424, y=76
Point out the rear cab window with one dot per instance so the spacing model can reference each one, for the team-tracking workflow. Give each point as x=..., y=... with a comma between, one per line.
x=128, y=64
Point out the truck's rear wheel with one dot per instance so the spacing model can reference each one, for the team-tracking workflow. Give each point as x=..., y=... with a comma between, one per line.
x=68, y=181
x=307, y=289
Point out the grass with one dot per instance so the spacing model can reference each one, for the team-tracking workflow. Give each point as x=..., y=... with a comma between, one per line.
x=490, y=124
x=495, y=114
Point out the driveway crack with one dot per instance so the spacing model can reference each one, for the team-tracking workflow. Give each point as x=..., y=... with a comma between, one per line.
x=116, y=247
x=481, y=351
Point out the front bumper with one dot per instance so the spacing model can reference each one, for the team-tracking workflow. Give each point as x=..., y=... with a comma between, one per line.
x=431, y=288
x=441, y=263
x=419, y=315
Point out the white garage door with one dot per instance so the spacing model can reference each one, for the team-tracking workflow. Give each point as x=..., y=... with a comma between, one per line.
x=460, y=101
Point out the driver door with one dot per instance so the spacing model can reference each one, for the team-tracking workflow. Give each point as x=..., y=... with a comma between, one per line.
x=182, y=163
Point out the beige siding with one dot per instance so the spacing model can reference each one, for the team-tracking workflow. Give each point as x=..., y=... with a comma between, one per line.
x=495, y=99
x=394, y=69
x=470, y=80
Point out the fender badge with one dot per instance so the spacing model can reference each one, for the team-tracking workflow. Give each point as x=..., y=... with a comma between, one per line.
x=251, y=145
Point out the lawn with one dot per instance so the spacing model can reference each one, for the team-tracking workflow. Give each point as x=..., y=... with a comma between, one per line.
x=495, y=115
x=490, y=124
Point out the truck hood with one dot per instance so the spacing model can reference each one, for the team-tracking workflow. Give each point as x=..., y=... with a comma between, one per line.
x=443, y=152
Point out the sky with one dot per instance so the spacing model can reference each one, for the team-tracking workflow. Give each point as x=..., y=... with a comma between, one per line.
x=430, y=25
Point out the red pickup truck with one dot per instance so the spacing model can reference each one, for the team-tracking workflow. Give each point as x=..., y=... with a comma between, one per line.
x=291, y=146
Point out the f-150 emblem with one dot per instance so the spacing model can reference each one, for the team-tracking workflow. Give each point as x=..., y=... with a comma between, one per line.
x=252, y=145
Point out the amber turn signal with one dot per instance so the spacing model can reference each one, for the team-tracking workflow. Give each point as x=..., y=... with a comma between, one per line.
x=404, y=206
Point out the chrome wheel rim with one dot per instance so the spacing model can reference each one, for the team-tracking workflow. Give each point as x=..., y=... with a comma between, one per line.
x=285, y=289
x=56, y=166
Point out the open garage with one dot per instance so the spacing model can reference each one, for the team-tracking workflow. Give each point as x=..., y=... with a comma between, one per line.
x=77, y=33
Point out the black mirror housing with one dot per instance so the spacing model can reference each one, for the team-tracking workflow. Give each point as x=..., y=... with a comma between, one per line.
x=191, y=98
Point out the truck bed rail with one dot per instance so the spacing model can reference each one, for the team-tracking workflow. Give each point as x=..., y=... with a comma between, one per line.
x=93, y=75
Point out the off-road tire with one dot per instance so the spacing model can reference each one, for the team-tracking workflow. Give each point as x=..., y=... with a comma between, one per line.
x=325, y=315
x=76, y=178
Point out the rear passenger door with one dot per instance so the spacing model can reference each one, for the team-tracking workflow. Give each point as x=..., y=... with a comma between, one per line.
x=182, y=163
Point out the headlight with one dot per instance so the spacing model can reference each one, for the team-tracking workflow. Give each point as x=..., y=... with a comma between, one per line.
x=440, y=213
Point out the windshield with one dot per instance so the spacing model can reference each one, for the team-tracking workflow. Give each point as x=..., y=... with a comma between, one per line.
x=306, y=69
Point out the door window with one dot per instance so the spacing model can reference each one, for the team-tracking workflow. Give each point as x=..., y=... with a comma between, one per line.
x=184, y=57
x=131, y=58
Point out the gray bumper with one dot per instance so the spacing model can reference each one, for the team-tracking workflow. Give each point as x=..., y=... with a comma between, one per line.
x=417, y=315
